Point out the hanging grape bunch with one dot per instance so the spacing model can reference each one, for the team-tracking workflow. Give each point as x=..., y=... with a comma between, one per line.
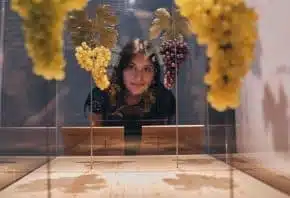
x=229, y=31
x=173, y=47
x=93, y=39
x=174, y=53
x=43, y=25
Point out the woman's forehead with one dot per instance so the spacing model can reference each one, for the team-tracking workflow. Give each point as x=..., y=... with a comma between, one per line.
x=141, y=59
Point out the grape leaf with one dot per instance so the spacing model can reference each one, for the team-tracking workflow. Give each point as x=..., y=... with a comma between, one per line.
x=169, y=26
x=100, y=30
x=181, y=24
x=105, y=23
x=81, y=28
x=160, y=23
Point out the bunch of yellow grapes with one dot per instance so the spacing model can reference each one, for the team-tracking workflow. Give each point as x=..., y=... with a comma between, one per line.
x=43, y=24
x=228, y=29
x=96, y=61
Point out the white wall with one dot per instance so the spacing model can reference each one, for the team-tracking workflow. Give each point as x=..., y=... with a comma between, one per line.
x=264, y=114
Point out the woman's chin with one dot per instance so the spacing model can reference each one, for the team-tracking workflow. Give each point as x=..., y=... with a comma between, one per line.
x=136, y=92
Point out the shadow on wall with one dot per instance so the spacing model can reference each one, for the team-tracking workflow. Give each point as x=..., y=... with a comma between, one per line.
x=244, y=111
x=276, y=117
x=245, y=124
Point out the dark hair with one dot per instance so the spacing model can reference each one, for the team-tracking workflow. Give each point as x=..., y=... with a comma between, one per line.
x=117, y=88
x=127, y=54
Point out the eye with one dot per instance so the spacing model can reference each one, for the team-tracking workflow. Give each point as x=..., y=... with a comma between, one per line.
x=148, y=69
x=130, y=66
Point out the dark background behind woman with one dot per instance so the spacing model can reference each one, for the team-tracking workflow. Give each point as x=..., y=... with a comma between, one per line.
x=68, y=106
x=42, y=103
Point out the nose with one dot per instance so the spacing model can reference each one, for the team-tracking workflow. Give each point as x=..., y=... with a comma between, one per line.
x=138, y=75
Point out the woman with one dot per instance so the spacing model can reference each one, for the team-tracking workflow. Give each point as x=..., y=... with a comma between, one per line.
x=136, y=96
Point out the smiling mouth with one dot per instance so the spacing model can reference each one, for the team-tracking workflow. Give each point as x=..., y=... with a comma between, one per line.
x=137, y=85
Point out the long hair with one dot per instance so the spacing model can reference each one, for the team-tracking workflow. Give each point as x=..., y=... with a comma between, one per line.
x=117, y=89
x=128, y=52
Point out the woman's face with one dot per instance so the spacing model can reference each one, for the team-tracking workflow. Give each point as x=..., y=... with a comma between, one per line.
x=138, y=75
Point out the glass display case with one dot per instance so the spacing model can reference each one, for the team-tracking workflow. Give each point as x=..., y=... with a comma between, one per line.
x=52, y=146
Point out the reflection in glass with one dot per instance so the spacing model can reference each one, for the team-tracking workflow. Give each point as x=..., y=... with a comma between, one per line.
x=136, y=96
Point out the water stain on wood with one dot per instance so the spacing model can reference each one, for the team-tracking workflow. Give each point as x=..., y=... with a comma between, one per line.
x=195, y=182
x=71, y=185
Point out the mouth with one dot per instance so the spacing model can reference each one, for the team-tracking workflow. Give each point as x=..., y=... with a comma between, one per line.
x=137, y=84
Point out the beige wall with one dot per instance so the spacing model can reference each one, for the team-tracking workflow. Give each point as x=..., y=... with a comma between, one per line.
x=264, y=116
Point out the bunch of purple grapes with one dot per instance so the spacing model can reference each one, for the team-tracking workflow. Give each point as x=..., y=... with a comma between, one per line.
x=174, y=52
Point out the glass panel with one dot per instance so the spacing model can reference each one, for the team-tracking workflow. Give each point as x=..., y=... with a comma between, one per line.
x=191, y=100
x=28, y=107
x=110, y=139
x=52, y=146
x=135, y=20
x=263, y=130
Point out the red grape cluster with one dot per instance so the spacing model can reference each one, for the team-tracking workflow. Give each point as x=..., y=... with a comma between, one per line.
x=174, y=53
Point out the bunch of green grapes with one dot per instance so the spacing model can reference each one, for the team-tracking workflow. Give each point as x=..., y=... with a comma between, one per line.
x=43, y=24
x=228, y=29
x=96, y=61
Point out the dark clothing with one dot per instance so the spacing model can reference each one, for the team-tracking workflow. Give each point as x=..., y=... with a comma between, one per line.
x=161, y=112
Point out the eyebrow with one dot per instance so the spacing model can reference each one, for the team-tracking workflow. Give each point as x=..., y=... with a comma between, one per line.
x=132, y=63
